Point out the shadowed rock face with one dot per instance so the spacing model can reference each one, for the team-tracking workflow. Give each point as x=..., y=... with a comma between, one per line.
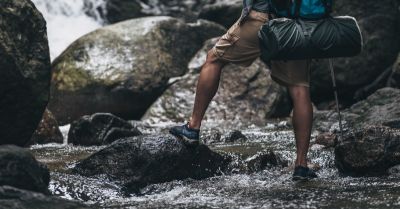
x=100, y=129
x=14, y=198
x=47, y=131
x=18, y=168
x=25, y=70
x=123, y=68
x=142, y=160
x=380, y=26
x=368, y=151
x=245, y=95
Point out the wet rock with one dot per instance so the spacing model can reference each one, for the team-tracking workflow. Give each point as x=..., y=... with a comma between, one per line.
x=14, y=198
x=234, y=136
x=48, y=130
x=381, y=48
x=113, y=68
x=263, y=160
x=213, y=136
x=245, y=96
x=143, y=160
x=100, y=129
x=224, y=12
x=18, y=168
x=381, y=108
x=25, y=70
x=326, y=139
x=368, y=151
x=394, y=171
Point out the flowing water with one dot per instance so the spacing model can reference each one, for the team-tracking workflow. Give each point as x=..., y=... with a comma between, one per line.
x=270, y=188
x=67, y=20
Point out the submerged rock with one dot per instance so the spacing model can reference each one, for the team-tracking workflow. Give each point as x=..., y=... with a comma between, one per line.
x=25, y=70
x=123, y=68
x=14, y=198
x=149, y=159
x=368, y=151
x=18, y=168
x=381, y=48
x=245, y=96
x=263, y=160
x=48, y=130
x=100, y=129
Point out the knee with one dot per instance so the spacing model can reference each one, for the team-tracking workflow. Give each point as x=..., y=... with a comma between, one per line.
x=299, y=93
x=211, y=57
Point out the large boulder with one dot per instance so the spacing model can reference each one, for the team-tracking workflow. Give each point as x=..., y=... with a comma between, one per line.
x=25, y=70
x=368, y=151
x=245, y=95
x=381, y=108
x=224, y=12
x=48, y=130
x=100, y=129
x=148, y=159
x=18, y=168
x=123, y=68
x=380, y=25
x=14, y=198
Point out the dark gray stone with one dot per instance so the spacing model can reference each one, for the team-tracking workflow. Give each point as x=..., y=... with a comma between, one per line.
x=149, y=159
x=18, y=168
x=369, y=151
x=25, y=70
x=100, y=129
x=14, y=198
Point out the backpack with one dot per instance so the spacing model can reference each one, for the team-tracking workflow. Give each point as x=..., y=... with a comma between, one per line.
x=306, y=9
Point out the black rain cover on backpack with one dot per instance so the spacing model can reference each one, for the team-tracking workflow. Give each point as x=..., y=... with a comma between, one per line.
x=293, y=39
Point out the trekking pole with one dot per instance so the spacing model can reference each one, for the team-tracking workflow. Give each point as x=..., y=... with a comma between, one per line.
x=336, y=97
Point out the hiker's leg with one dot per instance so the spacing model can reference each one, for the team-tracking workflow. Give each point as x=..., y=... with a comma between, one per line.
x=302, y=121
x=207, y=87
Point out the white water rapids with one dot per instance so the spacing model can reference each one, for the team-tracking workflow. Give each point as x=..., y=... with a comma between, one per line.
x=67, y=21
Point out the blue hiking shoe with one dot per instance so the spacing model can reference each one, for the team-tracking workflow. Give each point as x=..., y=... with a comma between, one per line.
x=303, y=174
x=189, y=135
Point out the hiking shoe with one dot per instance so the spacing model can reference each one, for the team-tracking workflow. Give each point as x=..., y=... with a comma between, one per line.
x=302, y=173
x=188, y=135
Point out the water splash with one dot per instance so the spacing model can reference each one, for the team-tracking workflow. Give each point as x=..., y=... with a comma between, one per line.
x=67, y=20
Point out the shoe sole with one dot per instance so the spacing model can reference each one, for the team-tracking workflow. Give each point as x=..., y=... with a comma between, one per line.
x=185, y=140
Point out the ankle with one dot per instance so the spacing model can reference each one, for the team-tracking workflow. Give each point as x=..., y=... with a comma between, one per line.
x=302, y=163
x=193, y=125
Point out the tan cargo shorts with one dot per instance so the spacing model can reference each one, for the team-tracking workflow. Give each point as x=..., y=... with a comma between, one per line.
x=240, y=45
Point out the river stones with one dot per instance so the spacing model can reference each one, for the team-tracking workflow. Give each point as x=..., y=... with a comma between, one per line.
x=48, y=130
x=25, y=70
x=224, y=12
x=263, y=160
x=123, y=68
x=148, y=159
x=381, y=48
x=368, y=151
x=14, y=198
x=18, y=168
x=100, y=129
x=245, y=96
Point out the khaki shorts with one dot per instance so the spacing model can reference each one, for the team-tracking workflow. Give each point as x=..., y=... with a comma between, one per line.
x=240, y=45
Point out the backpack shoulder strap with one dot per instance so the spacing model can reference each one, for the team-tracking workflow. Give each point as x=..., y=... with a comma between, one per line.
x=297, y=8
